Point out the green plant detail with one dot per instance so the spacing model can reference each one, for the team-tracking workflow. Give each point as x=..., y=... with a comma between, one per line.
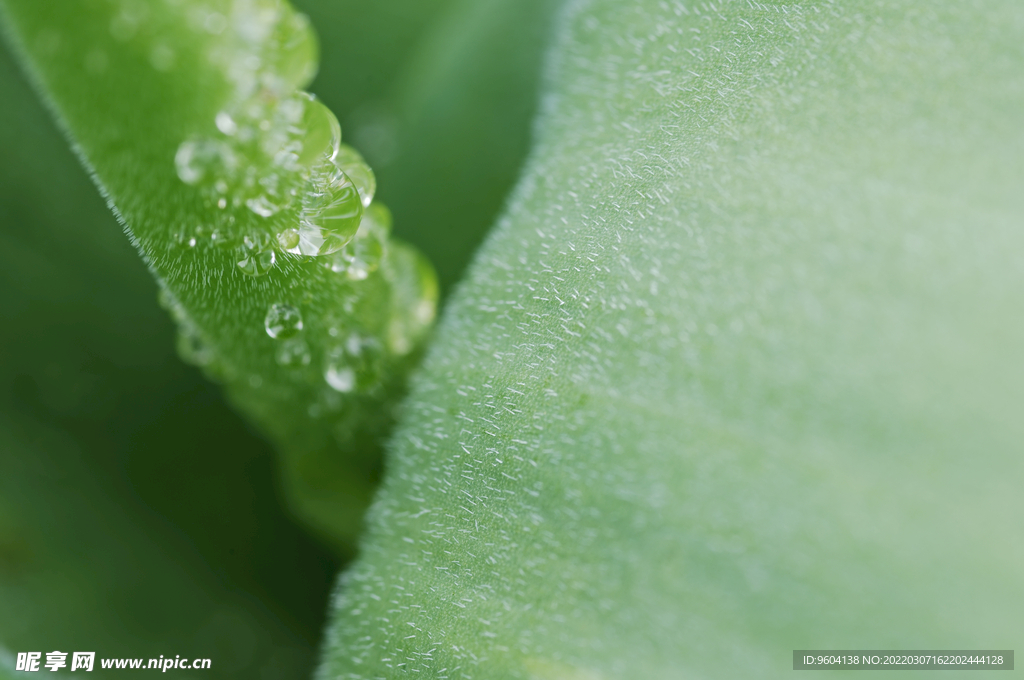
x=7, y=671
x=236, y=188
x=737, y=372
x=737, y=368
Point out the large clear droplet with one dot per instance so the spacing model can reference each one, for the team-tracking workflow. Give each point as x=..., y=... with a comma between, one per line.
x=353, y=165
x=282, y=321
x=331, y=211
x=320, y=133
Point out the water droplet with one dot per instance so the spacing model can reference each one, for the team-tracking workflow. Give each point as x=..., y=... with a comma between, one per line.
x=288, y=239
x=353, y=165
x=354, y=345
x=362, y=255
x=283, y=321
x=257, y=263
x=340, y=378
x=414, y=293
x=380, y=219
x=278, y=149
x=254, y=20
x=313, y=242
x=192, y=242
x=255, y=241
x=194, y=159
x=354, y=365
x=192, y=349
x=331, y=211
x=293, y=352
x=262, y=206
x=225, y=123
x=255, y=381
x=321, y=133
x=293, y=53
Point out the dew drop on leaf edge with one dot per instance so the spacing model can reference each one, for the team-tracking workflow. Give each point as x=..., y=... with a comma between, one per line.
x=320, y=133
x=292, y=51
x=352, y=164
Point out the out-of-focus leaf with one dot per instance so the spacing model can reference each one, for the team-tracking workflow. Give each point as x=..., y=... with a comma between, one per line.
x=463, y=109
x=6, y=665
x=739, y=372
x=365, y=46
x=80, y=571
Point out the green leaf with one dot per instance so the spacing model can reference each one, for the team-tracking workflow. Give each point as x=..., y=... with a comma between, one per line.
x=81, y=569
x=464, y=107
x=6, y=665
x=365, y=48
x=231, y=183
x=90, y=384
x=739, y=371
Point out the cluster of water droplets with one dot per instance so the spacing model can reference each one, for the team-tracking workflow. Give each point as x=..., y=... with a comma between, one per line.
x=273, y=148
x=273, y=170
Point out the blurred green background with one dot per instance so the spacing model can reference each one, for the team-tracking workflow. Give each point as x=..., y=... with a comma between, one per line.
x=139, y=515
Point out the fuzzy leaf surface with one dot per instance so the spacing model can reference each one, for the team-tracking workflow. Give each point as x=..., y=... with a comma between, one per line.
x=134, y=84
x=737, y=368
